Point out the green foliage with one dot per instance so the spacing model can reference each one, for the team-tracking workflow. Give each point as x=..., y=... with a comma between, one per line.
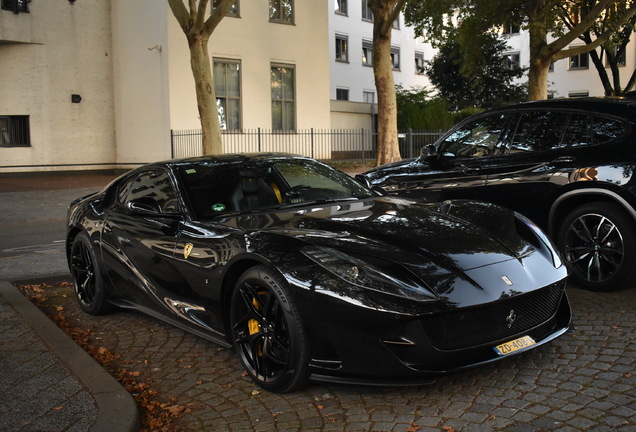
x=418, y=110
x=483, y=81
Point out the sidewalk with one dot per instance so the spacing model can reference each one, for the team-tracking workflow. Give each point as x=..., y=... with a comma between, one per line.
x=48, y=381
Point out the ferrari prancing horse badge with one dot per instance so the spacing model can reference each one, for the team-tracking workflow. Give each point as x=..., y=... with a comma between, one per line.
x=187, y=249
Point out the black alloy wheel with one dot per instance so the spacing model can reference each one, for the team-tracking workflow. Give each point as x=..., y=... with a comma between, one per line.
x=87, y=280
x=598, y=241
x=267, y=331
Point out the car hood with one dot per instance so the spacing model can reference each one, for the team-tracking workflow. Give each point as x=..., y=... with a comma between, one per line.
x=466, y=253
x=454, y=236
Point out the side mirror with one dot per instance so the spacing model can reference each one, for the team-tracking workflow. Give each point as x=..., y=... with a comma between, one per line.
x=143, y=206
x=429, y=152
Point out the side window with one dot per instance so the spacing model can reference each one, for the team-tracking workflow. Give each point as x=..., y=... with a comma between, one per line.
x=538, y=130
x=152, y=188
x=475, y=139
x=604, y=129
x=576, y=132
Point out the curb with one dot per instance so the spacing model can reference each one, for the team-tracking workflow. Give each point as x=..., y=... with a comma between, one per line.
x=117, y=410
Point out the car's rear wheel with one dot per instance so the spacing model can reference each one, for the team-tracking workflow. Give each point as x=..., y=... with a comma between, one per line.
x=87, y=279
x=598, y=241
x=267, y=331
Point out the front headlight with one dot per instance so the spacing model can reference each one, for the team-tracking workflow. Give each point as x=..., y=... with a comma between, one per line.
x=365, y=275
x=537, y=238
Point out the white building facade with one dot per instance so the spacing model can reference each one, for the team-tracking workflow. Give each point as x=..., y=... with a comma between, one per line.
x=101, y=84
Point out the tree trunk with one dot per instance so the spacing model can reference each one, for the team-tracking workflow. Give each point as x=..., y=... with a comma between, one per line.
x=388, y=146
x=206, y=97
x=540, y=59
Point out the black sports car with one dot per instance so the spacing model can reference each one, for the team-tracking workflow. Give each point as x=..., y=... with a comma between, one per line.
x=311, y=275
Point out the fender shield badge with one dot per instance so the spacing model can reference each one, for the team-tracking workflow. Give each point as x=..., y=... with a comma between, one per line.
x=507, y=280
x=187, y=249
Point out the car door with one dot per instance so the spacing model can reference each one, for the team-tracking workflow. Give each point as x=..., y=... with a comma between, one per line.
x=460, y=166
x=537, y=161
x=139, y=235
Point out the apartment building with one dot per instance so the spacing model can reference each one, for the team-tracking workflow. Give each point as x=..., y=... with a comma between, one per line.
x=569, y=77
x=97, y=84
x=352, y=90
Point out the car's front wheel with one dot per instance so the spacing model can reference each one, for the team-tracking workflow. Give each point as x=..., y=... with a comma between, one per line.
x=267, y=331
x=598, y=241
x=87, y=279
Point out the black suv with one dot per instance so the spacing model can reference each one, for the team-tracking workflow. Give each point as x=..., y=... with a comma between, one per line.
x=567, y=164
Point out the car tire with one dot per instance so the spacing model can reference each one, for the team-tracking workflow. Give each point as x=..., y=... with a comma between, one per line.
x=87, y=279
x=267, y=331
x=598, y=242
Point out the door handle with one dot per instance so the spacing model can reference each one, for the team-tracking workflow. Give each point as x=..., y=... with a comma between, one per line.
x=564, y=159
x=472, y=170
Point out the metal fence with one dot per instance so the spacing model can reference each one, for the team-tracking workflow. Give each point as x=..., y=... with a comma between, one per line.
x=326, y=144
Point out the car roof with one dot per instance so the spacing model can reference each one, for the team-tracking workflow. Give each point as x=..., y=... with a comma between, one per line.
x=619, y=106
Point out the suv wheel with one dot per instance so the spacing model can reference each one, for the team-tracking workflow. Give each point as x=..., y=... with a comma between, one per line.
x=598, y=241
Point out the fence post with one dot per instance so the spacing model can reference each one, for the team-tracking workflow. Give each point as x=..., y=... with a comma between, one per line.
x=259, y=139
x=362, y=139
x=312, y=144
x=409, y=140
x=171, y=144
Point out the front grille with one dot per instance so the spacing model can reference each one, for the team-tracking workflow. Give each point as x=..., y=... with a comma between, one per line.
x=474, y=326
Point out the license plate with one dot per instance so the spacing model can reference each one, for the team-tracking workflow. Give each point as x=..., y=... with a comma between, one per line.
x=514, y=345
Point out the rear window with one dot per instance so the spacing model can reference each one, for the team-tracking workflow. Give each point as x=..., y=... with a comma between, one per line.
x=604, y=129
x=538, y=131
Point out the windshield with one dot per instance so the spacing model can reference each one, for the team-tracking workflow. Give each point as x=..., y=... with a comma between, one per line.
x=212, y=188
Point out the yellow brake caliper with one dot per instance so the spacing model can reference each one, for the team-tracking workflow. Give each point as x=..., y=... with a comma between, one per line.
x=252, y=324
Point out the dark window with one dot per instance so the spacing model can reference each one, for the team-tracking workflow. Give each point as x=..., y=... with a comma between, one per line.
x=227, y=86
x=476, y=139
x=367, y=53
x=367, y=15
x=581, y=61
x=152, y=189
x=395, y=58
x=419, y=63
x=341, y=7
x=342, y=49
x=281, y=11
x=233, y=11
x=538, y=130
x=16, y=6
x=576, y=132
x=14, y=131
x=283, y=84
x=605, y=129
x=342, y=94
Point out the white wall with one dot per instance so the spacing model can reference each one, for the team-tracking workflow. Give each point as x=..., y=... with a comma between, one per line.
x=142, y=116
x=69, y=52
x=257, y=43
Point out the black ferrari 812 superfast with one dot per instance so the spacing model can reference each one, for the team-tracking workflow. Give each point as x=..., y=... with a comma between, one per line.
x=310, y=275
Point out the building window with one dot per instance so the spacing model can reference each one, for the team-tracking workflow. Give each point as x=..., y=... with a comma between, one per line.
x=367, y=53
x=16, y=6
x=342, y=94
x=227, y=86
x=342, y=48
x=511, y=29
x=579, y=94
x=396, y=23
x=513, y=60
x=233, y=11
x=581, y=61
x=395, y=58
x=341, y=7
x=368, y=97
x=283, y=97
x=367, y=15
x=551, y=67
x=621, y=59
x=281, y=11
x=419, y=63
x=14, y=131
